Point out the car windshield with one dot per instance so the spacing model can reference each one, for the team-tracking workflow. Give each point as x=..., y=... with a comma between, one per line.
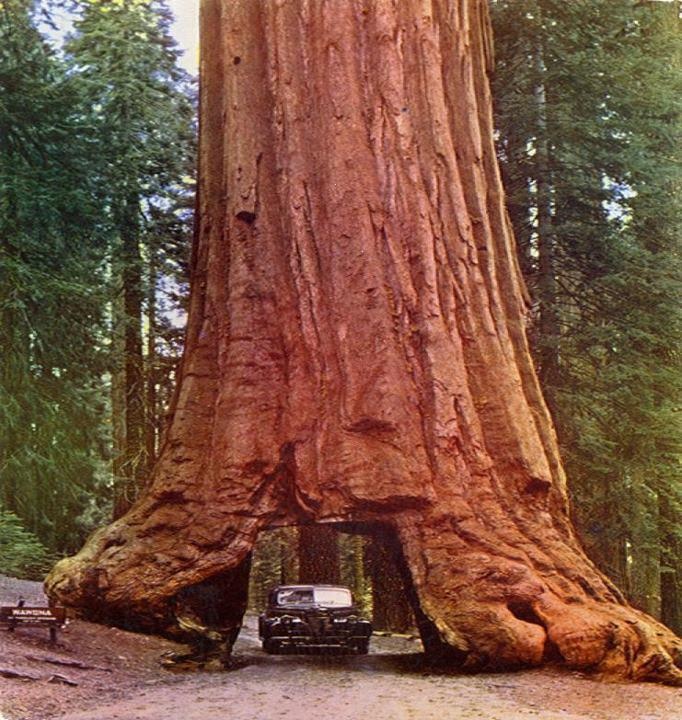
x=295, y=596
x=329, y=597
x=333, y=597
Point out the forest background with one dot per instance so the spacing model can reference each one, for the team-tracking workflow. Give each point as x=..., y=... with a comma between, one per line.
x=97, y=176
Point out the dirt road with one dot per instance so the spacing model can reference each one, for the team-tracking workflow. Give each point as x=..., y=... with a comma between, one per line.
x=385, y=685
x=123, y=680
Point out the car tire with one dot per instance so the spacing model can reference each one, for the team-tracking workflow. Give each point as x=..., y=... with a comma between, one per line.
x=361, y=647
x=271, y=647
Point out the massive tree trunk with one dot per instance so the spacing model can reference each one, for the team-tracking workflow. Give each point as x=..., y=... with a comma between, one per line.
x=356, y=348
x=390, y=606
x=318, y=555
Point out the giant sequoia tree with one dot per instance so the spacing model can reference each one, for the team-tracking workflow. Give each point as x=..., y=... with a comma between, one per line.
x=356, y=350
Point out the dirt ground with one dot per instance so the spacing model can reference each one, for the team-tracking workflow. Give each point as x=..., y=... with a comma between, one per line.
x=122, y=679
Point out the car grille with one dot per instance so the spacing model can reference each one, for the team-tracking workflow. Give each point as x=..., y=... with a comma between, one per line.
x=320, y=624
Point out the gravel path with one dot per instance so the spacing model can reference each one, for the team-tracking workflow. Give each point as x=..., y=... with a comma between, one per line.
x=383, y=686
x=388, y=684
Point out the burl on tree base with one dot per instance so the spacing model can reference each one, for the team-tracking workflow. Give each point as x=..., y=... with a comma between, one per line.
x=356, y=350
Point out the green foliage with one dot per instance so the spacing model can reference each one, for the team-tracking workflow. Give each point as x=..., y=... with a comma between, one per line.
x=597, y=86
x=274, y=562
x=22, y=555
x=50, y=280
x=80, y=134
x=353, y=561
x=140, y=105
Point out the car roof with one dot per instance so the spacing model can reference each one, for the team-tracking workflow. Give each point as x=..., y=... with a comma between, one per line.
x=310, y=587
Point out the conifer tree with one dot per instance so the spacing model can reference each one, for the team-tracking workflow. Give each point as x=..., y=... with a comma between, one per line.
x=587, y=103
x=70, y=164
x=138, y=98
x=50, y=273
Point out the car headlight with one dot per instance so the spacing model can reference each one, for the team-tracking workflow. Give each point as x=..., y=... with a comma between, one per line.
x=289, y=620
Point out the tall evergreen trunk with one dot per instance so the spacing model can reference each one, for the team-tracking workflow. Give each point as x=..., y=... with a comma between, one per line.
x=14, y=357
x=644, y=568
x=607, y=546
x=671, y=570
x=356, y=350
x=390, y=602
x=12, y=365
x=288, y=557
x=133, y=457
x=118, y=399
x=548, y=320
x=153, y=421
x=358, y=576
x=518, y=204
x=318, y=555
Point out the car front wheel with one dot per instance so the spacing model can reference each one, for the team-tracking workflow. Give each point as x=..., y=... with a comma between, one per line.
x=271, y=647
x=361, y=647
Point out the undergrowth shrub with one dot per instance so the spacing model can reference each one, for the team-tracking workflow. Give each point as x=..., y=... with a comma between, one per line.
x=22, y=555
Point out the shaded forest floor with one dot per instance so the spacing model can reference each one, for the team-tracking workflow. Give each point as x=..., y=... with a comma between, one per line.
x=123, y=680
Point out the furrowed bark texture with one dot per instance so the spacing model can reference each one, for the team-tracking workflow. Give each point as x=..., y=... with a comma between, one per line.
x=318, y=555
x=356, y=349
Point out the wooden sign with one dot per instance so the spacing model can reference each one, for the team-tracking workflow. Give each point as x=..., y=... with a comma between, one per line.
x=21, y=615
x=33, y=615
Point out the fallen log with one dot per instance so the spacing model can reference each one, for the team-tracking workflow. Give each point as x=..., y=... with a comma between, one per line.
x=67, y=663
x=61, y=679
x=17, y=674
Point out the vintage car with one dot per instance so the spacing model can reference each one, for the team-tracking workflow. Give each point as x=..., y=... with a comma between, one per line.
x=302, y=617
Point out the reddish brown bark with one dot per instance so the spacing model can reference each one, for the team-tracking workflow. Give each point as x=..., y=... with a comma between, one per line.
x=318, y=555
x=356, y=348
x=390, y=598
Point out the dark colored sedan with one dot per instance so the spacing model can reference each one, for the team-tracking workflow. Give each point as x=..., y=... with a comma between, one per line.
x=313, y=616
